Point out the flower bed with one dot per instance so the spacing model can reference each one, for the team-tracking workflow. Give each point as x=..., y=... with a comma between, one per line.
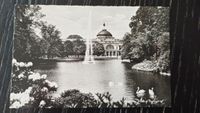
x=145, y=66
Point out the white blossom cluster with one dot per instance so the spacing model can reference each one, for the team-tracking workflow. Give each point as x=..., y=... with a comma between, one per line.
x=42, y=103
x=51, y=84
x=44, y=89
x=32, y=76
x=21, y=64
x=36, y=76
x=21, y=75
x=20, y=99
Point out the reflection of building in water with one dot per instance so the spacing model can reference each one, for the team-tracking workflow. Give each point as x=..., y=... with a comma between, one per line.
x=112, y=46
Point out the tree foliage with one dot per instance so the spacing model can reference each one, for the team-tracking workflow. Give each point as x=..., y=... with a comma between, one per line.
x=74, y=47
x=25, y=38
x=51, y=36
x=28, y=46
x=68, y=48
x=79, y=47
x=75, y=37
x=149, y=37
x=98, y=49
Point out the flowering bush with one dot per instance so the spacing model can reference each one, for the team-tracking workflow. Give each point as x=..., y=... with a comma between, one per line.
x=29, y=88
x=20, y=99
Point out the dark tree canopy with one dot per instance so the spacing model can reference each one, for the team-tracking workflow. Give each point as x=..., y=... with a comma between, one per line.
x=75, y=37
x=79, y=47
x=98, y=49
x=25, y=41
x=52, y=37
x=149, y=37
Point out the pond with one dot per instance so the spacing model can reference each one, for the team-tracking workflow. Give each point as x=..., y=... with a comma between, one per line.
x=111, y=76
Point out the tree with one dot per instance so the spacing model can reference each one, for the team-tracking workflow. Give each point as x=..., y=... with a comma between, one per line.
x=98, y=49
x=147, y=26
x=164, y=61
x=27, y=18
x=164, y=52
x=163, y=43
x=44, y=46
x=68, y=48
x=74, y=45
x=79, y=47
x=126, y=45
x=75, y=37
x=52, y=36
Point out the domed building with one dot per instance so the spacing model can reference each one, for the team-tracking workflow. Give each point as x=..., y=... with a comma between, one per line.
x=112, y=46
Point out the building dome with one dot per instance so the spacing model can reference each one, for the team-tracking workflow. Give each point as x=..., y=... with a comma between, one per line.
x=104, y=32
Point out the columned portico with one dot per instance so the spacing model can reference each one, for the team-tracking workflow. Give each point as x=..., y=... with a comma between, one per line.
x=112, y=53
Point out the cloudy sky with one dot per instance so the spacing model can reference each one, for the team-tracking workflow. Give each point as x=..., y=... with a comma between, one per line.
x=87, y=21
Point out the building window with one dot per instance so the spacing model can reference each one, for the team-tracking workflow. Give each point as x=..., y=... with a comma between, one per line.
x=109, y=47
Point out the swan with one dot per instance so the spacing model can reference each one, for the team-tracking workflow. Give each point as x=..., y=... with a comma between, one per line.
x=151, y=93
x=140, y=93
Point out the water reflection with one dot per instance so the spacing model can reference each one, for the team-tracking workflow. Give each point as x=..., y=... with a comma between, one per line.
x=109, y=75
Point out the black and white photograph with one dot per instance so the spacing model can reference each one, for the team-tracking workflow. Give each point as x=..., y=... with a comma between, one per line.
x=90, y=57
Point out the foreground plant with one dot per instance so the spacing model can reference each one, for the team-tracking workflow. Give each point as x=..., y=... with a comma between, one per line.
x=29, y=88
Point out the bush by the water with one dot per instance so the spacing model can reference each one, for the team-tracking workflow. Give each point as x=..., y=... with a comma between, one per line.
x=149, y=38
x=146, y=65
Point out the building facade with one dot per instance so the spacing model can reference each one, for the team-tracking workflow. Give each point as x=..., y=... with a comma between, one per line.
x=112, y=46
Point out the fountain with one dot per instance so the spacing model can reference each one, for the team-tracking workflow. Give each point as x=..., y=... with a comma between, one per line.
x=89, y=58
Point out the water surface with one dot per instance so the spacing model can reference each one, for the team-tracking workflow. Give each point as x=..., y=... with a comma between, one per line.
x=105, y=76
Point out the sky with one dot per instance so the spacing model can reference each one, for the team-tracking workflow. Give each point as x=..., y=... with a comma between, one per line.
x=87, y=21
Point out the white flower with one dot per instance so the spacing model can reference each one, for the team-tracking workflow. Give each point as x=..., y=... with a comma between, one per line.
x=29, y=64
x=34, y=76
x=28, y=90
x=42, y=103
x=21, y=75
x=44, y=89
x=44, y=76
x=20, y=99
x=32, y=99
x=15, y=96
x=21, y=64
x=53, y=84
x=47, y=82
x=16, y=104
x=14, y=61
